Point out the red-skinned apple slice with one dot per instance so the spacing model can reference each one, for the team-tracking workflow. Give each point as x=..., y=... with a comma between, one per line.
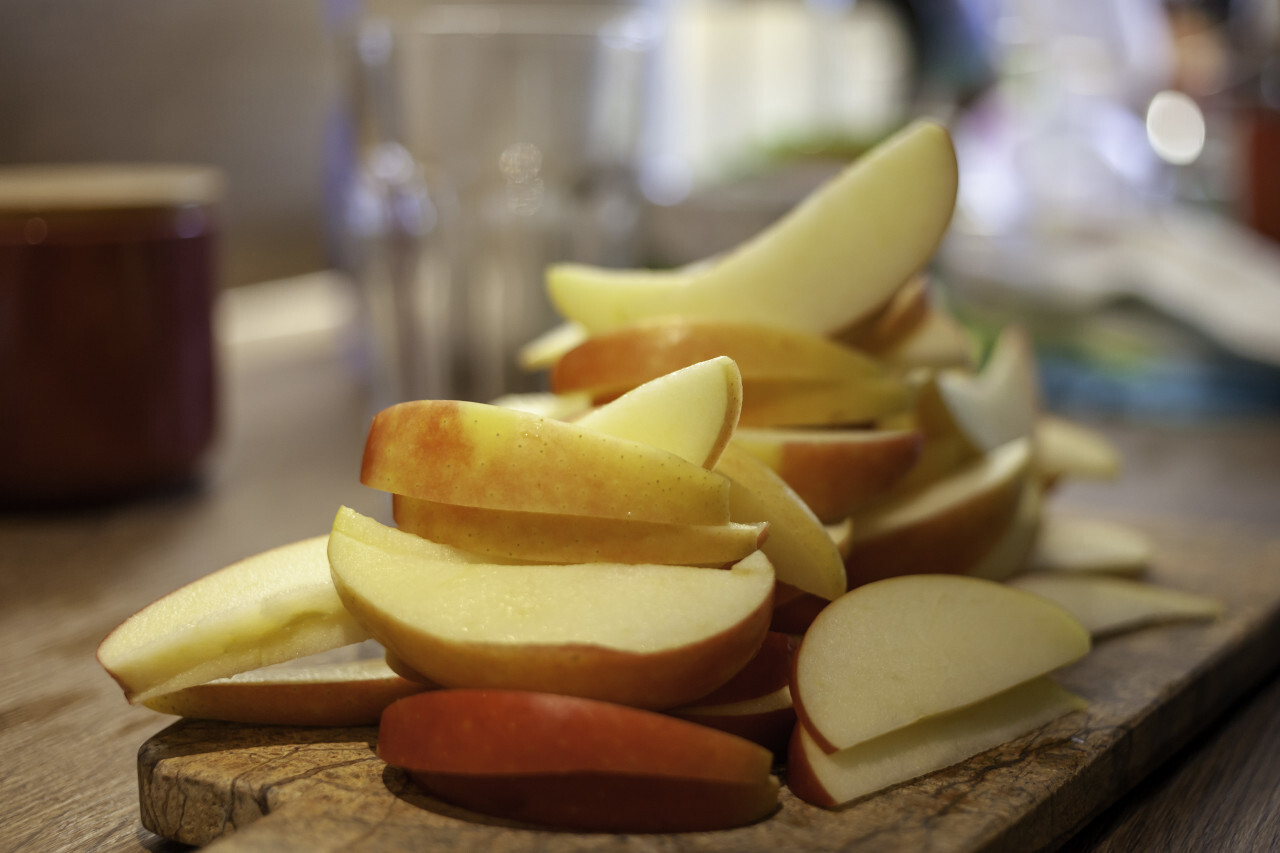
x=557, y=538
x=931, y=744
x=269, y=608
x=835, y=471
x=766, y=720
x=480, y=455
x=1107, y=606
x=339, y=694
x=888, y=654
x=946, y=526
x=1012, y=551
x=645, y=635
x=798, y=545
x=575, y=763
x=836, y=258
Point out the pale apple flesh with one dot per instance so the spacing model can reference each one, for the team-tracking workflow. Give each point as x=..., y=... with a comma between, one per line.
x=339, y=694
x=272, y=607
x=561, y=407
x=644, y=635
x=836, y=258
x=1067, y=543
x=1001, y=403
x=926, y=645
x=1107, y=606
x=1065, y=448
x=475, y=454
x=575, y=763
x=832, y=780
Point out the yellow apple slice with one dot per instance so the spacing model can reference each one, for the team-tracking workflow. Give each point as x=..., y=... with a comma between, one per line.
x=529, y=537
x=801, y=550
x=474, y=454
x=269, y=608
x=905, y=310
x=1107, y=606
x=847, y=402
x=546, y=349
x=562, y=407
x=643, y=635
x=1000, y=404
x=834, y=471
x=616, y=361
x=945, y=526
x=575, y=763
x=1065, y=448
x=1069, y=543
x=353, y=693
x=888, y=654
x=938, y=341
x=1012, y=552
x=834, y=259
x=923, y=747
x=691, y=412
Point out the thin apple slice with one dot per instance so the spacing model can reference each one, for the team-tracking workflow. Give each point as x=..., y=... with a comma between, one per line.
x=269, y=608
x=575, y=763
x=904, y=311
x=931, y=744
x=644, y=635
x=537, y=537
x=474, y=454
x=803, y=554
x=938, y=342
x=888, y=654
x=946, y=526
x=1068, y=543
x=1107, y=606
x=691, y=412
x=1065, y=448
x=1000, y=404
x=766, y=720
x=1012, y=552
x=849, y=402
x=546, y=349
x=617, y=361
x=352, y=693
x=562, y=407
x=834, y=471
x=837, y=257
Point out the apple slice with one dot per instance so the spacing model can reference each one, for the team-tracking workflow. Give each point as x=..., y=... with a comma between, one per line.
x=766, y=403
x=353, y=693
x=576, y=763
x=938, y=341
x=1107, y=606
x=474, y=454
x=645, y=635
x=678, y=412
x=766, y=720
x=269, y=608
x=1074, y=544
x=546, y=349
x=946, y=526
x=931, y=744
x=802, y=552
x=562, y=407
x=1065, y=448
x=887, y=654
x=1000, y=404
x=529, y=537
x=1011, y=553
x=835, y=258
x=617, y=361
x=834, y=471
x=905, y=310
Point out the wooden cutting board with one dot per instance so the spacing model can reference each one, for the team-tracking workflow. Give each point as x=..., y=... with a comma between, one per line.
x=246, y=788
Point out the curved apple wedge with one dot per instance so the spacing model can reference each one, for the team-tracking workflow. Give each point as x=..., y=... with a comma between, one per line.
x=340, y=694
x=644, y=635
x=575, y=763
x=888, y=654
x=1067, y=543
x=842, y=777
x=834, y=259
x=474, y=454
x=269, y=608
x=1065, y=448
x=1107, y=606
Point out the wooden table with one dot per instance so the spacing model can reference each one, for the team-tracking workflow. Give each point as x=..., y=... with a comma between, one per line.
x=289, y=454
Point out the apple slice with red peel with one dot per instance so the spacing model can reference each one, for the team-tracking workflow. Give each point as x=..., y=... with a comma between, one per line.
x=794, y=610
x=575, y=763
x=834, y=259
x=644, y=635
x=1107, y=606
x=1065, y=448
x=834, y=471
x=1011, y=553
x=799, y=547
x=474, y=454
x=678, y=412
x=766, y=720
x=945, y=526
x=768, y=670
x=1067, y=543
x=275, y=606
x=832, y=780
x=353, y=693
x=529, y=537
x=888, y=654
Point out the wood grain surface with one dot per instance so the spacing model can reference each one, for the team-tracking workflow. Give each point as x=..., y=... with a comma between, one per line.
x=259, y=788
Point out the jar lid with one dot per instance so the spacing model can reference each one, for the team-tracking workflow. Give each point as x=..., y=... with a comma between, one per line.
x=98, y=186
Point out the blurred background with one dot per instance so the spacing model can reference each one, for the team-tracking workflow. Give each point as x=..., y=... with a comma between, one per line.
x=397, y=173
